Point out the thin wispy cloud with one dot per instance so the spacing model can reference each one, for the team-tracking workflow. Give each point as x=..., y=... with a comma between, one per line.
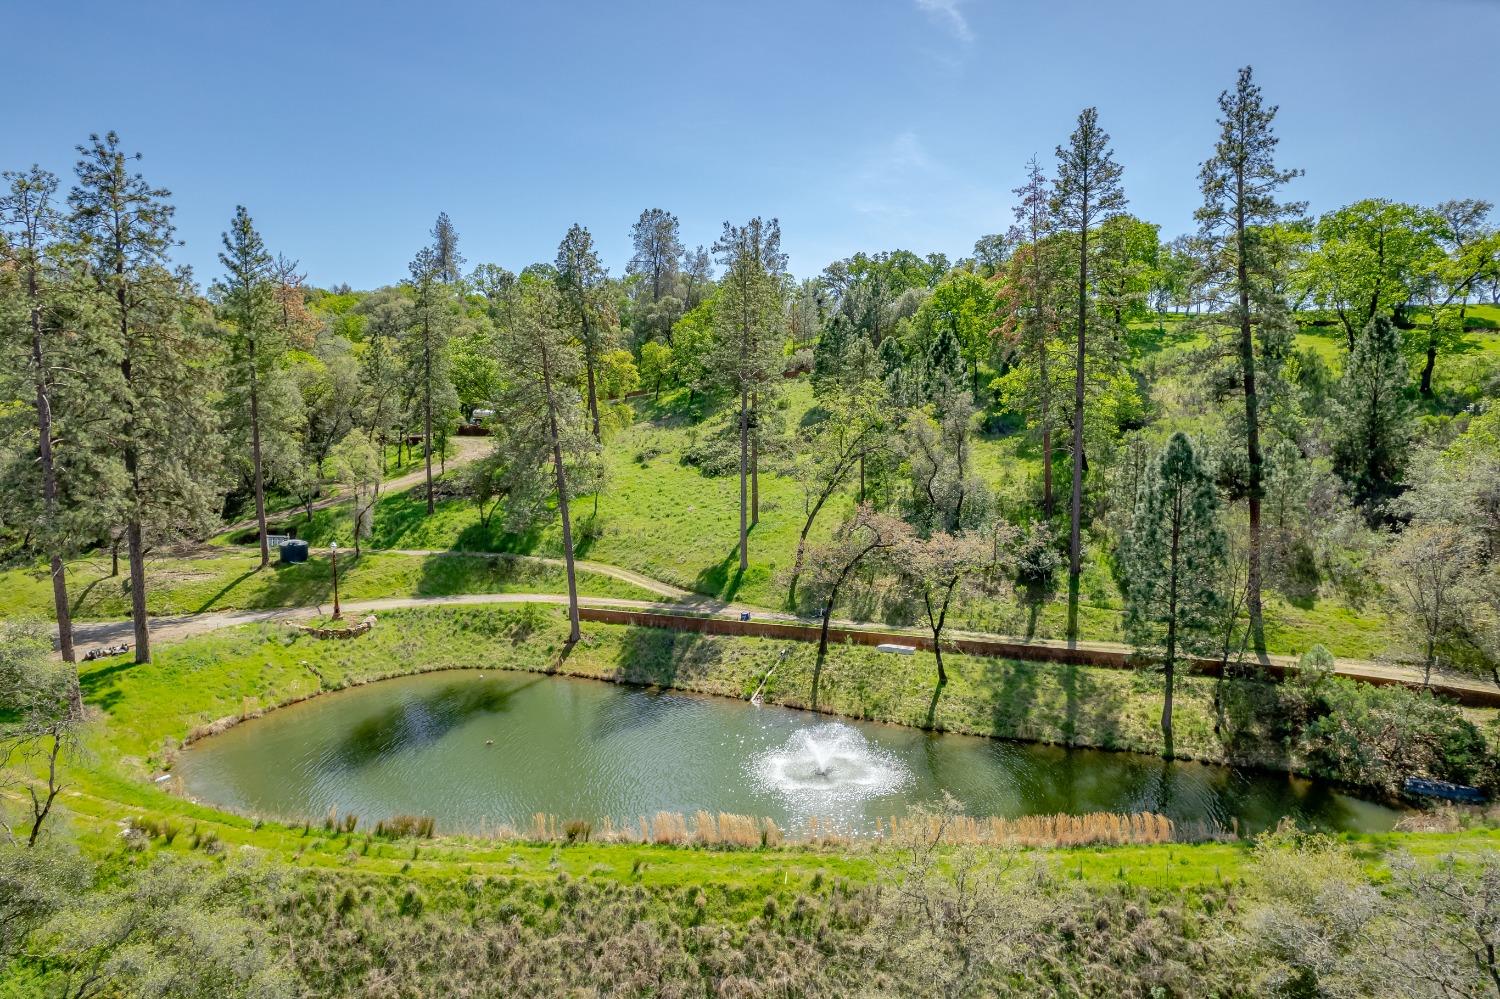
x=906, y=192
x=947, y=13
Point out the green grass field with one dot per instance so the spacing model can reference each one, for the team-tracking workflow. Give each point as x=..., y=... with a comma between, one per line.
x=666, y=519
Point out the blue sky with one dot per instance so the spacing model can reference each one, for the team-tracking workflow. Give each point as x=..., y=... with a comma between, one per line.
x=863, y=125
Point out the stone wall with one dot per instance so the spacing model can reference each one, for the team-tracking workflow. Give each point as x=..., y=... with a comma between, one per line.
x=352, y=631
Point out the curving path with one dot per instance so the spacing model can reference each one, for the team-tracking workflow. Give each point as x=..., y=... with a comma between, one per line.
x=601, y=568
x=88, y=635
x=466, y=449
x=93, y=634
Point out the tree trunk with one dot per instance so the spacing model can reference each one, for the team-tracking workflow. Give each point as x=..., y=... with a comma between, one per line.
x=41, y=808
x=65, y=632
x=1252, y=429
x=593, y=397
x=1169, y=670
x=255, y=461
x=1075, y=525
x=1431, y=360
x=754, y=458
x=936, y=624
x=135, y=550
x=744, y=461
x=562, y=508
x=49, y=488
x=1047, y=503
x=812, y=515
x=427, y=410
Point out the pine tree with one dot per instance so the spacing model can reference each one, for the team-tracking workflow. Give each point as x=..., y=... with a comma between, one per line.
x=425, y=349
x=1239, y=202
x=161, y=426
x=828, y=354
x=1372, y=425
x=658, y=251
x=943, y=367
x=446, y=258
x=1171, y=562
x=539, y=415
x=30, y=228
x=1032, y=314
x=247, y=311
x=581, y=280
x=1086, y=193
x=746, y=350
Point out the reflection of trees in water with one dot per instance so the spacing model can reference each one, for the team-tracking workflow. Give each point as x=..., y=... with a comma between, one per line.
x=1158, y=787
x=424, y=719
x=633, y=708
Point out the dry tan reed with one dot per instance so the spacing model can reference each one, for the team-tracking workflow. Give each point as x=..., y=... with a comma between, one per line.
x=724, y=829
x=1095, y=828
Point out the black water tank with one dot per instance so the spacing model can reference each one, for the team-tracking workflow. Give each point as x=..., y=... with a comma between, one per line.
x=293, y=551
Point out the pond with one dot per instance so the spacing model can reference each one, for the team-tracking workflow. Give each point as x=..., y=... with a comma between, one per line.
x=478, y=750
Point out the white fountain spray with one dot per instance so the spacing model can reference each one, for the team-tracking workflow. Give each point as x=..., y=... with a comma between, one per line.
x=827, y=768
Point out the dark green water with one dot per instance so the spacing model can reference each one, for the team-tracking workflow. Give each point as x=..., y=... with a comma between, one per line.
x=479, y=750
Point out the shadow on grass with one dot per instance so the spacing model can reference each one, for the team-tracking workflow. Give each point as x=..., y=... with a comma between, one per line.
x=226, y=588
x=1072, y=632
x=475, y=538
x=676, y=408
x=937, y=692
x=98, y=685
x=662, y=657
x=1085, y=711
x=724, y=579
x=81, y=598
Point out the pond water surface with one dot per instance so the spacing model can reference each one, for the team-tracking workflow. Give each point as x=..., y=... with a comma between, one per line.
x=478, y=750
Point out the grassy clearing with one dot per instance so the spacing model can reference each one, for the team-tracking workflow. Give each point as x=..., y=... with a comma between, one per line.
x=663, y=518
x=206, y=582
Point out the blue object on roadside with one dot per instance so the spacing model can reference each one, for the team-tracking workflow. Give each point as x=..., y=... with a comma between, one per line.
x=744, y=615
x=1428, y=788
x=293, y=551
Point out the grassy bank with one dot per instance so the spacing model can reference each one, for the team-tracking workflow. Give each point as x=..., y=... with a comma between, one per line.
x=194, y=584
x=344, y=912
x=203, y=680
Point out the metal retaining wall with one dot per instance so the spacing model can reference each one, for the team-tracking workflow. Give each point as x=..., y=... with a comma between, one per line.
x=1106, y=658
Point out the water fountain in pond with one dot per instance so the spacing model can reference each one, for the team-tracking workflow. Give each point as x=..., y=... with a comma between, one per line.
x=824, y=766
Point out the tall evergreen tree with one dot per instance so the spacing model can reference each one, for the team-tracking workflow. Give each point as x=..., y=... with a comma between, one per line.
x=582, y=281
x=697, y=278
x=657, y=240
x=539, y=416
x=746, y=350
x=446, y=258
x=425, y=347
x=1032, y=310
x=1171, y=562
x=161, y=424
x=1240, y=183
x=1372, y=425
x=30, y=227
x=247, y=310
x=1086, y=193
